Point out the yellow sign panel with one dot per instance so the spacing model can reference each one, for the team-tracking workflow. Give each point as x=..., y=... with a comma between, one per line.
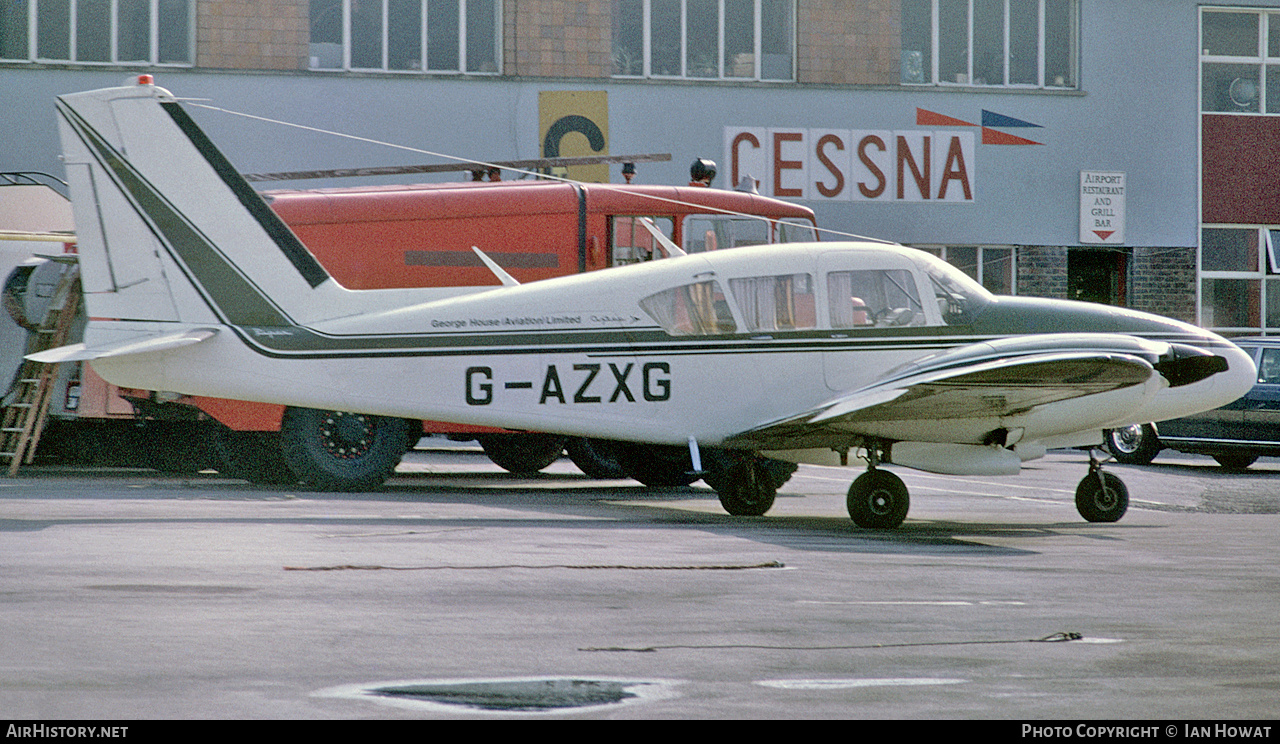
x=572, y=124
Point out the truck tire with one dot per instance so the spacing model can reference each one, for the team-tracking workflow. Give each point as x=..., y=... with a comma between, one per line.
x=338, y=451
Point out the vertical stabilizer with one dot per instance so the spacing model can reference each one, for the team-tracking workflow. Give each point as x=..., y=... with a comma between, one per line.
x=168, y=230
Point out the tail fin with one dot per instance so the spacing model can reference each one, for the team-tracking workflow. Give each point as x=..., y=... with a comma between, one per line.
x=167, y=230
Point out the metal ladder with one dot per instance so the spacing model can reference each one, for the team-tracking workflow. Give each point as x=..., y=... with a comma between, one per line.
x=24, y=418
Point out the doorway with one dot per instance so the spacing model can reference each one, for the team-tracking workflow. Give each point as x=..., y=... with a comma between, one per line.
x=1098, y=275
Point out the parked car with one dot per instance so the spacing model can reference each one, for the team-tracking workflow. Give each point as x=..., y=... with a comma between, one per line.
x=1235, y=435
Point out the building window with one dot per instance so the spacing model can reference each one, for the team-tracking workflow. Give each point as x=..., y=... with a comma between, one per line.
x=1008, y=43
x=991, y=265
x=406, y=35
x=1240, y=61
x=704, y=39
x=154, y=32
x=1240, y=278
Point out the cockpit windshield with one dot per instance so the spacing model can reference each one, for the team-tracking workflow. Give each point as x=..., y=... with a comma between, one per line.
x=960, y=299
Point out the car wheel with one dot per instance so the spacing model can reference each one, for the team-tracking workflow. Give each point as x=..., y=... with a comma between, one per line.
x=1134, y=445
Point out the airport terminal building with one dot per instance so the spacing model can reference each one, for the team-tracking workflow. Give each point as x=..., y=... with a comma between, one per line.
x=1118, y=151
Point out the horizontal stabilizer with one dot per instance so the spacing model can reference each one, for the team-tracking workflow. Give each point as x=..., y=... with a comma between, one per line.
x=143, y=345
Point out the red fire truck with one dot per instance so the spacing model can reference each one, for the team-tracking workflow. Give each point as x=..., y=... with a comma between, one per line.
x=379, y=237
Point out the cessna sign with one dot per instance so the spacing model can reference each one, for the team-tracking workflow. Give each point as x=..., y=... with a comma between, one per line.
x=854, y=164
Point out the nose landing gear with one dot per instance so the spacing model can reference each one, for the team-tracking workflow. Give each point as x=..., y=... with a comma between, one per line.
x=1101, y=496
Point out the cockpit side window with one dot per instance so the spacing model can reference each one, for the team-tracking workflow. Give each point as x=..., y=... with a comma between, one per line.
x=874, y=298
x=775, y=303
x=699, y=309
x=959, y=297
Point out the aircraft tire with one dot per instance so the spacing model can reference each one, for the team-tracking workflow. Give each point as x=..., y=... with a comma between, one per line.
x=878, y=499
x=1134, y=445
x=522, y=453
x=337, y=451
x=656, y=465
x=747, y=489
x=598, y=458
x=254, y=456
x=1104, y=500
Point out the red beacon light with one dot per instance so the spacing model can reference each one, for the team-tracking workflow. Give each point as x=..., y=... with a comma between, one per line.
x=145, y=79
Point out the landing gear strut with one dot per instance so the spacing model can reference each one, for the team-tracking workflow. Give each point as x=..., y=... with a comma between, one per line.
x=1101, y=496
x=877, y=499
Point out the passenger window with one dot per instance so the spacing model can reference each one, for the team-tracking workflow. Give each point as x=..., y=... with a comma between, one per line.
x=882, y=298
x=775, y=303
x=692, y=310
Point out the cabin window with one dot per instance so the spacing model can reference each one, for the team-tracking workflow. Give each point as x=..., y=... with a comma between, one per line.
x=699, y=309
x=881, y=298
x=775, y=303
x=632, y=243
x=709, y=233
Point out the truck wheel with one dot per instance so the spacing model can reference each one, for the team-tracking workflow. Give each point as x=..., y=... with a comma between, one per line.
x=338, y=451
x=522, y=453
x=597, y=458
x=254, y=456
x=656, y=465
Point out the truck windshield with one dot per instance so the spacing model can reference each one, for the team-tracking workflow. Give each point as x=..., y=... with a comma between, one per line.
x=796, y=231
x=715, y=232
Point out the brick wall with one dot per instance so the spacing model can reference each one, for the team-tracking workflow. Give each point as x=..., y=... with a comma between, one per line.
x=1042, y=271
x=558, y=38
x=252, y=34
x=847, y=43
x=1163, y=281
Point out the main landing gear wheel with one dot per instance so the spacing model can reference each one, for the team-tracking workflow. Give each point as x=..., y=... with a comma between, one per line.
x=1101, y=496
x=656, y=465
x=255, y=456
x=522, y=453
x=878, y=499
x=597, y=458
x=747, y=487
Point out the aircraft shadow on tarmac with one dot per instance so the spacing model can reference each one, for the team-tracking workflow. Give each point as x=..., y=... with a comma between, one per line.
x=631, y=506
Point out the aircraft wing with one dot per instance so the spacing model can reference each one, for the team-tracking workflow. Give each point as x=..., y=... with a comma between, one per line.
x=144, y=344
x=982, y=383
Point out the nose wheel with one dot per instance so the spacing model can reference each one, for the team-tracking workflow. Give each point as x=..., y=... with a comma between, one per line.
x=1101, y=496
x=878, y=499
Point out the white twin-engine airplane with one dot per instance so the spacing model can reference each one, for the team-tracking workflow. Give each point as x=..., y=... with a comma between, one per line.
x=800, y=352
